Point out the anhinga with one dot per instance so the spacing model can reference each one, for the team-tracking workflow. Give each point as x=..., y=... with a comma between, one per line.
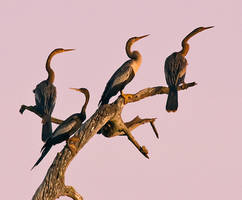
x=124, y=74
x=45, y=96
x=66, y=128
x=175, y=70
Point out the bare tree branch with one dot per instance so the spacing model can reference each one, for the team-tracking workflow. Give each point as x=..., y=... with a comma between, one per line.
x=71, y=192
x=154, y=128
x=106, y=120
x=108, y=129
x=147, y=92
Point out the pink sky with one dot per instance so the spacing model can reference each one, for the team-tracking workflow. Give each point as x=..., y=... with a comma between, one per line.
x=198, y=155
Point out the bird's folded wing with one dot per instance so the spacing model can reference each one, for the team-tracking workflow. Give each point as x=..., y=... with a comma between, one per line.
x=65, y=127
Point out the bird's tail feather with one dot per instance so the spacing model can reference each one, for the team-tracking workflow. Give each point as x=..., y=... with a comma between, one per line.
x=172, y=100
x=44, y=152
x=46, y=129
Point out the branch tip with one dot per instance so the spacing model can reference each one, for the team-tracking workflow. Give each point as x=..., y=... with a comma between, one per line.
x=154, y=129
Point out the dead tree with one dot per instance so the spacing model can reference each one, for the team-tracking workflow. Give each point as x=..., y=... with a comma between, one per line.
x=107, y=121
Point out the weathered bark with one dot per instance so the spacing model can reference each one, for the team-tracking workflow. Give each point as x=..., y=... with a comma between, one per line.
x=106, y=120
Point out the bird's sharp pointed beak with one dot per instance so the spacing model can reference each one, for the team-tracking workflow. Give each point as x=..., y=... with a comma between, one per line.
x=208, y=27
x=143, y=36
x=69, y=49
x=74, y=89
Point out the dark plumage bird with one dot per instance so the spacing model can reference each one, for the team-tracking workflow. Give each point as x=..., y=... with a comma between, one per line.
x=175, y=70
x=66, y=128
x=45, y=96
x=124, y=74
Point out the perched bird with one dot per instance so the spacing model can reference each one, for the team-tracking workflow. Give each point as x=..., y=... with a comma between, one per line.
x=66, y=128
x=175, y=70
x=45, y=96
x=124, y=74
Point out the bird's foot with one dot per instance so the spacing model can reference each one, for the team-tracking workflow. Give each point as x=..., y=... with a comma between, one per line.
x=126, y=97
x=71, y=144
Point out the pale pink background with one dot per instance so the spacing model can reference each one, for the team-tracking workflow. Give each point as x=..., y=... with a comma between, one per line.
x=198, y=155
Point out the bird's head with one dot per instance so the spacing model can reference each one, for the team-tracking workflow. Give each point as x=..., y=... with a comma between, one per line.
x=134, y=54
x=87, y=95
x=185, y=45
x=200, y=29
x=60, y=50
x=134, y=39
x=82, y=90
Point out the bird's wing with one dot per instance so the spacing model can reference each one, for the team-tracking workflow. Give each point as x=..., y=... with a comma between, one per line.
x=118, y=81
x=174, y=65
x=122, y=74
x=66, y=126
x=45, y=96
x=52, y=99
x=38, y=91
x=182, y=66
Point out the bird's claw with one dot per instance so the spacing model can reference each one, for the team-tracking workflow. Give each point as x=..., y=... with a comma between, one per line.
x=126, y=97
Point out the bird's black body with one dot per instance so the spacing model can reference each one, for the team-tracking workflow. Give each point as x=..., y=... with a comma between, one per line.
x=65, y=129
x=62, y=133
x=117, y=82
x=124, y=74
x=175, y=71
x=45, y=97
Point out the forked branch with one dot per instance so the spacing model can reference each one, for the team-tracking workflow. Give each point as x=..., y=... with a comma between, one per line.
x=107, y=117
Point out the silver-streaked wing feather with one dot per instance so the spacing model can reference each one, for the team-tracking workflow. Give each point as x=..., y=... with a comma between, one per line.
x=65, y=127
x=122, y=74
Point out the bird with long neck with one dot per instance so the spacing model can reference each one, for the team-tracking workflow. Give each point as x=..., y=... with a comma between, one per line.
x=51, y=74
x=66, y=129
x=124, y=74
x=185, y=45
x=45, y=96
x=84, y=107
x=175, y=70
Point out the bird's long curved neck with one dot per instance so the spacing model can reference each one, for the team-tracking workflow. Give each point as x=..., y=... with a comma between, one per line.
x=84, y=107
x=185, y=45
x=135, y=55
x=51, y=74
